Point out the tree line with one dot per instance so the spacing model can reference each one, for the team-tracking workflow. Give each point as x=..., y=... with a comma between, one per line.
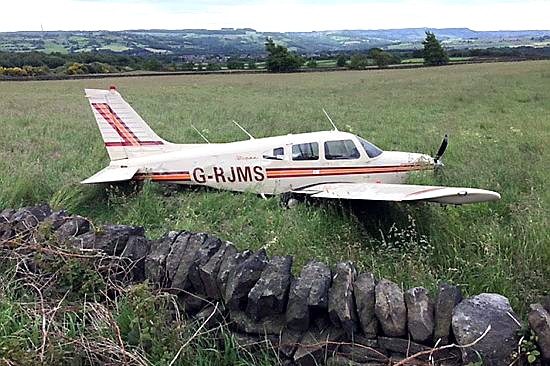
x=278, y=59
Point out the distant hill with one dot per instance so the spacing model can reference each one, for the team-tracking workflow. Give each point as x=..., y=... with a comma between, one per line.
x=249, y=42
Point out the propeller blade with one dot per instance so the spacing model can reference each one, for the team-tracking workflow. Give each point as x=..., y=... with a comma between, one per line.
x=442, y=148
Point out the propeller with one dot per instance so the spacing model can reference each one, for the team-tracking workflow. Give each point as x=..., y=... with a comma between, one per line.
x=442, y=149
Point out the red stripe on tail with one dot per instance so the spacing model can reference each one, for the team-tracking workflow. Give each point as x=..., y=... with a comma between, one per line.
x=127, y=135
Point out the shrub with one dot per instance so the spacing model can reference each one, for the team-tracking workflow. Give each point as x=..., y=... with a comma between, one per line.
x=77, y=69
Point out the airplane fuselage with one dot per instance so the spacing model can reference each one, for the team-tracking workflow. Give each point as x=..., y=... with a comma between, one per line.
x=278, y=164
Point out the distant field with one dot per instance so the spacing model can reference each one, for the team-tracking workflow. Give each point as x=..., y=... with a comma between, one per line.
x=420, y=60
x=497, y=115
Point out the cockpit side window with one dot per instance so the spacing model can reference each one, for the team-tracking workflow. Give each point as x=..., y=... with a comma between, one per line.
x=341, y=150
x=277, y=153
x=308, y=151
x=371, y=150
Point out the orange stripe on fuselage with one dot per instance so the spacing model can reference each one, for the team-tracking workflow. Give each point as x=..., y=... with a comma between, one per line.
x=313, y=172
x=163, y=177
x=170, y=177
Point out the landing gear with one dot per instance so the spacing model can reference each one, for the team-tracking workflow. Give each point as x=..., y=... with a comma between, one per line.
x=289, y=200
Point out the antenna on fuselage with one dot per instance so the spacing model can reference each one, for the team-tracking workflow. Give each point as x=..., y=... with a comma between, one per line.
x=245, y=131
x=204, y=138
x=330, y=120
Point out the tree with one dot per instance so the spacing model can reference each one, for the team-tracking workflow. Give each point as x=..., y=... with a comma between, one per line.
x=188, y=66
x=341, y=61
x=381, y=58
x=434, y=54
x=279, y=59
x=212, y=66
x=152, y=64
x=358, y=61
x=235, y=64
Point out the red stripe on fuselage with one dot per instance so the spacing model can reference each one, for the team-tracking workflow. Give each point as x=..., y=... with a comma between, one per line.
x=332, y=171
x=179, y=176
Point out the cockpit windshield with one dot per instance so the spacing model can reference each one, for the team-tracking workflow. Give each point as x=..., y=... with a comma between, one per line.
x=371, y=150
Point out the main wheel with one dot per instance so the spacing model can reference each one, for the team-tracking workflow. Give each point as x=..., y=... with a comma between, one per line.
x=289, y=200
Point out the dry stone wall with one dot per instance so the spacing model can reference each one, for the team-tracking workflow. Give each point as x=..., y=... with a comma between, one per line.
x=324, y=315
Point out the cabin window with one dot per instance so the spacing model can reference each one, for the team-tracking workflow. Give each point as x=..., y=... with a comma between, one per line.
x=371, y=150
x=341, y=150
x=277, y=153
x=309, y=151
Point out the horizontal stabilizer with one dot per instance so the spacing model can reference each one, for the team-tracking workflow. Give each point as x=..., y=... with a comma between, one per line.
x=400, y=193
x=111, y=174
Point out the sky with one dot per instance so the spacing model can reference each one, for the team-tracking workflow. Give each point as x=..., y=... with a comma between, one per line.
x=273, y=15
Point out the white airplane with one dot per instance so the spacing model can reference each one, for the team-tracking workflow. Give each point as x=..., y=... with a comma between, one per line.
x=327, y=164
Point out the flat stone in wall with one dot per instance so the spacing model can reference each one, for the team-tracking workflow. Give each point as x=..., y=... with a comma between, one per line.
x=308, y=296
x=173, y=258
x=136, y=250
x=273, y=324
x=209, y=271
x=341, y=303
x=181, y=276
x=112, y=239
x=364, y=289
x=243, y=278
x=539, y=321
x=269, y=295
x=447, y=298
x=29, y=217
x=356, y=352
x=208, y=248
x=6, y=230
x=470, y=320
x=420, y=314
x=318, y=346
x=72, y=227
x=155, y=262
x=390, y=309
x=55, y=220
x=6, y=215
x=227, y=270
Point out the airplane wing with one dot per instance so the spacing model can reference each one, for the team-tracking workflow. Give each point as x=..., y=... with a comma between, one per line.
x=111, y=174
x=399, y=193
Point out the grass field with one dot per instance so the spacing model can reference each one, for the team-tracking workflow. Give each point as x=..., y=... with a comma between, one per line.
x=497, y=116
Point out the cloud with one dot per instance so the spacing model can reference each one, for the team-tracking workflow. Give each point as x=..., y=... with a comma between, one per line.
x=273, y=15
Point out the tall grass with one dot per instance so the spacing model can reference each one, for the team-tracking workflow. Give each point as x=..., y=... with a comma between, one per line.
x=497, y=116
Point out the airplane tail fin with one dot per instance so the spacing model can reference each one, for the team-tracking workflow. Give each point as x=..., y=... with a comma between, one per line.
x=125, y=133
